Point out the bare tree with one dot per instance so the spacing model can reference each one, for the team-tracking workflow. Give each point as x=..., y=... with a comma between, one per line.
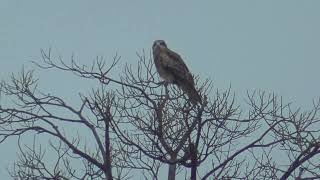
x=138, y=125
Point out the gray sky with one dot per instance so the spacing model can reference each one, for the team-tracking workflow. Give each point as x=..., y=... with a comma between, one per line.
x=270, y=45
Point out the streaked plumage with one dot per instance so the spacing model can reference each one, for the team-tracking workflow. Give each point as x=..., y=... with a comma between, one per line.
x=172, y=69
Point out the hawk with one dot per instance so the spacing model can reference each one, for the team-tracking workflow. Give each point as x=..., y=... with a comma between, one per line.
x=173, y=70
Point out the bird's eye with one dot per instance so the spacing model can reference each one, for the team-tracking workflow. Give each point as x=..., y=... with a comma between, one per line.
x=162, y=43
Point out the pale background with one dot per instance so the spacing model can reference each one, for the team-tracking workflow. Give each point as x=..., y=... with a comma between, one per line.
x=270, y=45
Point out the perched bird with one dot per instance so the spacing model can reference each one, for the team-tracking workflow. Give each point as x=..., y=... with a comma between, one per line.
x=173, y=70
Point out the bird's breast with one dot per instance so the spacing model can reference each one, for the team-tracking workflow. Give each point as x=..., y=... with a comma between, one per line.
x=162, y=70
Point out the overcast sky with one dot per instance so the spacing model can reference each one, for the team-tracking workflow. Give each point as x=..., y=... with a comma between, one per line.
x=270, y=45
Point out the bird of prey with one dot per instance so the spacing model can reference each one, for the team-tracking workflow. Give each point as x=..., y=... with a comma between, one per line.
x=173, y=70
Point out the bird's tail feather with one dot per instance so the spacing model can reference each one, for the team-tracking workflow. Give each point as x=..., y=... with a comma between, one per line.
x=192, y=93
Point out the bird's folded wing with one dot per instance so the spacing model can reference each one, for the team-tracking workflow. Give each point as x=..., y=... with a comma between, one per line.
x=175, y=65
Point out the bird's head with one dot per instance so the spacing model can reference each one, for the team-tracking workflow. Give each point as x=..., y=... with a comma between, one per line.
x=159, y=44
